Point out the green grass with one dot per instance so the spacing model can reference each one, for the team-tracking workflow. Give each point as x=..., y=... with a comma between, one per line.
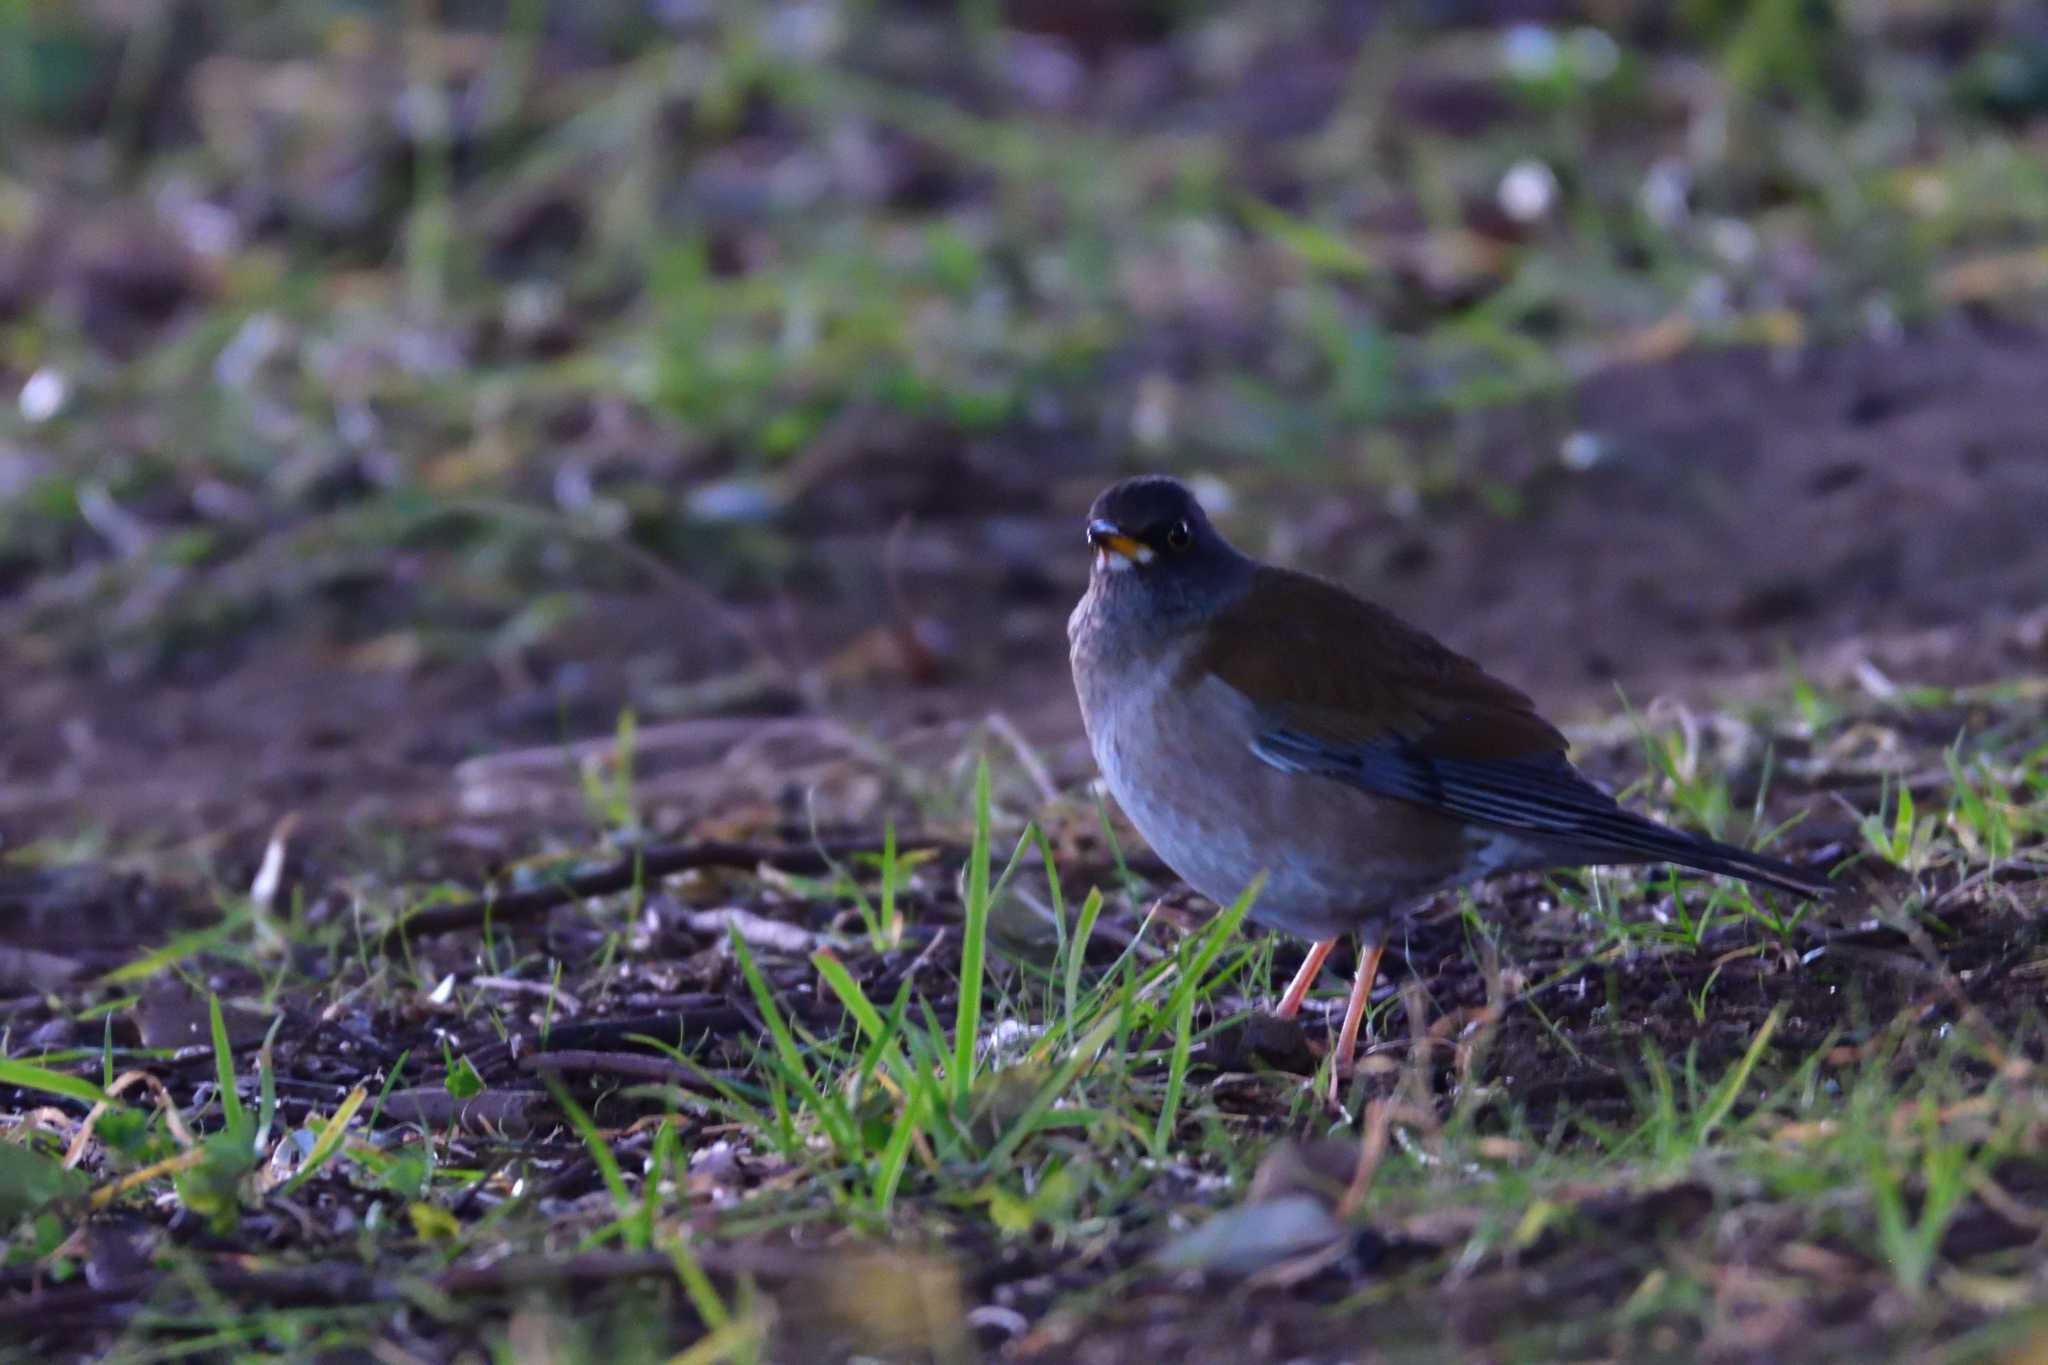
x=1009, y=295
x=1858, y=1145
x=1631, y=1115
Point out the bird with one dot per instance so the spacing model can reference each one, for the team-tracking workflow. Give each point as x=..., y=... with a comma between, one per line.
x=1255, y=723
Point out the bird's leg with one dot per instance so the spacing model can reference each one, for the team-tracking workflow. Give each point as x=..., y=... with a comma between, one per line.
x=1297, y=989
x=1354, y=1008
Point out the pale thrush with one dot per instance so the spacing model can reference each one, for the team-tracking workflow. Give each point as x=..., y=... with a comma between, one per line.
x=1253, y=720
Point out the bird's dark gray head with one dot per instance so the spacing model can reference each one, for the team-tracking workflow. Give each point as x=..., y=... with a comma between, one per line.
x=1155, y=551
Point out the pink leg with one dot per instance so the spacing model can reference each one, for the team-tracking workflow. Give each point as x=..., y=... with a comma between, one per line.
x=1297, y=989
x=1354, y=1008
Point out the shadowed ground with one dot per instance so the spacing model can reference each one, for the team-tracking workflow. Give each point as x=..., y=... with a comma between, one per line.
x=534, y=553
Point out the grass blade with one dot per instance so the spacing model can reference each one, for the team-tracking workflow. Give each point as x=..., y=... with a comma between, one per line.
x=1078, y=1060
x=891, y=932
x=600, y=1152
x=329, y=1141
x=1210, y=946
x=1176, y=1076
x=224, y=1069
x=29, y=1076
x=878, y=1031
x=1730, y=1089
x=974, y=944
x=1077, y=952
x=830, y=1114
x=179, y=948
x=895, y=1154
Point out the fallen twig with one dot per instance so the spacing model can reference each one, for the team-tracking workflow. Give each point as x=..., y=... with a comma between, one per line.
x=497, y=1112
x=632, y=1065
x=639, y=869
x=566, y=1002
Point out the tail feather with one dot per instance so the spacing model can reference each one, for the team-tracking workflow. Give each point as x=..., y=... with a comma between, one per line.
x=1639, y=840
x=1552, y=799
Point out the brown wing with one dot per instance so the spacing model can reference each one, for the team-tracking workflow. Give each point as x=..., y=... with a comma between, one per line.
x=1318, y=660
x=1347, y=690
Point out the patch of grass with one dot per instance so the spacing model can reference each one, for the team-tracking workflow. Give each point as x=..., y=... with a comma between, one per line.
x=825, y=245
x=461, y=332
x=1077, y=1100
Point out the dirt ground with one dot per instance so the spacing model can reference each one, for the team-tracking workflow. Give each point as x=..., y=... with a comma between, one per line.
x=486, y=681
x=1906, y=490
x=1903, y=491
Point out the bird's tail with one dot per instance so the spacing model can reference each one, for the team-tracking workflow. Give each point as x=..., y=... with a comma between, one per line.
x=1628, y=837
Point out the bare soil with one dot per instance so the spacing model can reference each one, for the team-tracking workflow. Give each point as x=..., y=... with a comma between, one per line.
x=1746, y=513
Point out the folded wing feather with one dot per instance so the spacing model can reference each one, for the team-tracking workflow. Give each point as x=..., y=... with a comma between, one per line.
x=1401, y=716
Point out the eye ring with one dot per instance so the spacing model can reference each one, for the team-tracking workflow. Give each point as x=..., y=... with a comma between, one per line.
x=1179, y=536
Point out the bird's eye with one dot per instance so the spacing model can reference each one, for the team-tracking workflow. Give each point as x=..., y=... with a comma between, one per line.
x=1178, y=536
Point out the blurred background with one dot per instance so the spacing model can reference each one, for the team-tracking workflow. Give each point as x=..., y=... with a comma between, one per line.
x=394, y=397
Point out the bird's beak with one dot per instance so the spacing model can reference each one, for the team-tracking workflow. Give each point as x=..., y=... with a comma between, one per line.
x=1115, y=548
